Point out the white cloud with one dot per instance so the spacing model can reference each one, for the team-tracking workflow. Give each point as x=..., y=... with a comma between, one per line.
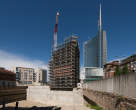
x=10, y=60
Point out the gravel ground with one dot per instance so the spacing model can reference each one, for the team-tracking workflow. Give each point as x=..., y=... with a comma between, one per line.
x=27, y=105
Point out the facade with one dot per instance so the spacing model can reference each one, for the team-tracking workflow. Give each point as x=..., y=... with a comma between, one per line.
x=7, y=78
x=93, y=73
x=64, y=65
x=110, y=68
x=130, y=62
x=25, y=76
x=91, y=51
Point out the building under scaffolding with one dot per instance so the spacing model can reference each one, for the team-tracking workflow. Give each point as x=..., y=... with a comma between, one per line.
x=64, y=65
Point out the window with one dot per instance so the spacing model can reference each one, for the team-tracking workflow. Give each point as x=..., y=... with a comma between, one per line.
x=25, y=75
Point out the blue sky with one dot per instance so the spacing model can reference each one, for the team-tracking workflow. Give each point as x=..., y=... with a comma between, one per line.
x=27, y=26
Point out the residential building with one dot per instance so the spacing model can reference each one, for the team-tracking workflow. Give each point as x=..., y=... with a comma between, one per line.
x=64, y=65
x=110, y=68
x=130, y=62
x=25, y=76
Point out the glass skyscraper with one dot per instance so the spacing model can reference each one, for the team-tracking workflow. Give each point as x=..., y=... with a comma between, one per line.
x=91, y=51
x=95, y=53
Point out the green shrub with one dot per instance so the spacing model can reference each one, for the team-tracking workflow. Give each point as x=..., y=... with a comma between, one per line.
x=125, y=69
x=117, y=71
x=96, y=107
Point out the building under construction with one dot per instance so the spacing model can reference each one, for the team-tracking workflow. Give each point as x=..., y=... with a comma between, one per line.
x=64, y=65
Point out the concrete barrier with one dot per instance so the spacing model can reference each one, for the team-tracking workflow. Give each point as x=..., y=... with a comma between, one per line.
x=124, y=85
x=44, y=95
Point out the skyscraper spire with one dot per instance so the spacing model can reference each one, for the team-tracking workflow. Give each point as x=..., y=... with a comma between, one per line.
x=100, y=19
x=100, y=37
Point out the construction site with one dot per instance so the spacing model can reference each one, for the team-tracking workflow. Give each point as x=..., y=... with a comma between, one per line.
x=64, y=65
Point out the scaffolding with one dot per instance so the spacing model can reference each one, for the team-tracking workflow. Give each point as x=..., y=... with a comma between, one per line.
x=64, y=65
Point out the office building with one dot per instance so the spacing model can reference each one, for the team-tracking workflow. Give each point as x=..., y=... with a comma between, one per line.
x=95, y=53
x=91, y=51
x=95, y=49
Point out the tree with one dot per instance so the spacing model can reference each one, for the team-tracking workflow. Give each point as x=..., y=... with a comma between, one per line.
x=125, y=69
x=117, y=71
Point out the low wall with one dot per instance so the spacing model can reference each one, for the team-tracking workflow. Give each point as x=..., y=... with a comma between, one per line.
x=124, y=85
x=44, y=95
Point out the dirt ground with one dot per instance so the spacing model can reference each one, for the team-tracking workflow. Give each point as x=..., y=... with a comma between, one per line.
x=29, y=105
